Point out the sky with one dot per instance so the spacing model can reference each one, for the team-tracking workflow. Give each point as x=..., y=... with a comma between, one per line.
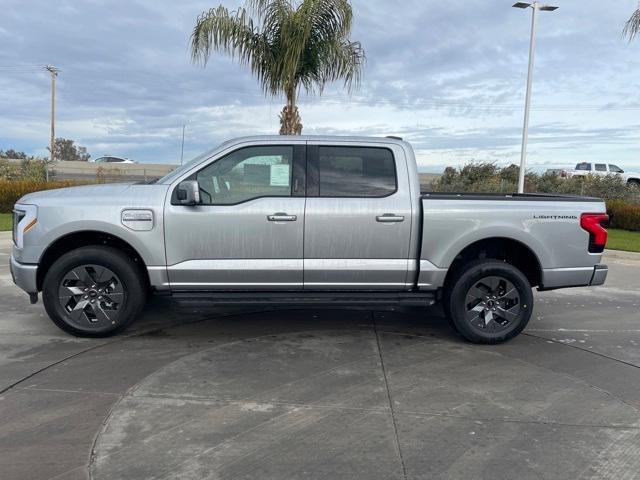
x=448, y=76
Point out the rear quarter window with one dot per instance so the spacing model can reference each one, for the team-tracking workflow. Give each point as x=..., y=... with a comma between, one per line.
x=583, y=166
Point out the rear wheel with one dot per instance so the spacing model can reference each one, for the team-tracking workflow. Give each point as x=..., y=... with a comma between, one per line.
x=93, y=291
x=489, y=301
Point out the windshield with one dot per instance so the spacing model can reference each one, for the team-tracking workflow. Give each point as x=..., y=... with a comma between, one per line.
x=171, y=176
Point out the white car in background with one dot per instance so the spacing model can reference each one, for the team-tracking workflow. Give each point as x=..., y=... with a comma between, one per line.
x=587, y=168
x=112, y=159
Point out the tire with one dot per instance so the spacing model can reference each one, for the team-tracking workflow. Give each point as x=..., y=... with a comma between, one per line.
x=633, y=183
x=93, y=291
x=488, y=301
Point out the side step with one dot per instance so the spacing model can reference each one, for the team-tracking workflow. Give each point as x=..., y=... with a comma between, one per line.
x=365, y=298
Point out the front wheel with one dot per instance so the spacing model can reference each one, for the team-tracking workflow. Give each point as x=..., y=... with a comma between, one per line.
x=489, y=301
x=93, y=291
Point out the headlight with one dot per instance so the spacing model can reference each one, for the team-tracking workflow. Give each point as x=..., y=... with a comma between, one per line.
x=24, y=218
x=18, y=215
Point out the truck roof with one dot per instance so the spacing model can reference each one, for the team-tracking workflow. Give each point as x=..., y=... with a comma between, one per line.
x=322, y=138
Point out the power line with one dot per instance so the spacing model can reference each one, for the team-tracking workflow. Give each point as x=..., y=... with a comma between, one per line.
x=20, y=66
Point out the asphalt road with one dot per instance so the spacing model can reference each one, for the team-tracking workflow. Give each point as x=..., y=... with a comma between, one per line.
x=192, y=392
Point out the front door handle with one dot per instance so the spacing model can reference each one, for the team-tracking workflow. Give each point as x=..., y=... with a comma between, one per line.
x=281, y=217
x=389, y=218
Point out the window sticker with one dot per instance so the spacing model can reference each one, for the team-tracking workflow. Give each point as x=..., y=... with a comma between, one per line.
x=280, y=175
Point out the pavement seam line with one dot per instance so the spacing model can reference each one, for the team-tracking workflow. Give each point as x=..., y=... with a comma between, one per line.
x=116, y=339
x=629, y=364
x=130, y=394
x=389, y=398
x=46, y=367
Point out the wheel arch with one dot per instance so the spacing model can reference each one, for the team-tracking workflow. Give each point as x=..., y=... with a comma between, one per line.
x=507, y=249
x=85, y=238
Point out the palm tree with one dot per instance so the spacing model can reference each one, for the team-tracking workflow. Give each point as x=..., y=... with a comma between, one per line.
x=632, y=28
x=288, y=46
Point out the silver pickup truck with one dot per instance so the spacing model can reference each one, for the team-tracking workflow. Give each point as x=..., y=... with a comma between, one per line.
x=302, y=220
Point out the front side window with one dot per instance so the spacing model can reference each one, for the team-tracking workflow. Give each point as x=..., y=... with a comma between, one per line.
x=248, y=173
x=356, y=172
x=601, y=167
x=583, y=166
x=615, y=169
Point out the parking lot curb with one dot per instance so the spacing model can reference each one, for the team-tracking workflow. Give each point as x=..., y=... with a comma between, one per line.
x=621, y=254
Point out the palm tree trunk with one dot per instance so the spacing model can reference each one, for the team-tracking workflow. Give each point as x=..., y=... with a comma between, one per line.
x=290, y=118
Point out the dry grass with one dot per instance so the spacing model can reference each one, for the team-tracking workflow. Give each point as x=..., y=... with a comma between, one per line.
x=12, y=190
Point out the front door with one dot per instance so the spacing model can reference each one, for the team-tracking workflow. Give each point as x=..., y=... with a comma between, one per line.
x=247, y=232
x=357, y=219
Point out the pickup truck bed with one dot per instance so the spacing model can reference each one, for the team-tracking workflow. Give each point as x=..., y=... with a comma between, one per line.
x=537, y=226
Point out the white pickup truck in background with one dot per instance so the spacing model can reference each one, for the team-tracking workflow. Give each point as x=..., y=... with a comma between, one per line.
x=587, y=168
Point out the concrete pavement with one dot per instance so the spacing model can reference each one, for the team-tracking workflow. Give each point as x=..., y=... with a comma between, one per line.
x=201, y=392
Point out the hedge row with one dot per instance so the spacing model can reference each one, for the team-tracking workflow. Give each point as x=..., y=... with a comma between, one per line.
x=12, y=190
x=624, y=215
x=488, y=177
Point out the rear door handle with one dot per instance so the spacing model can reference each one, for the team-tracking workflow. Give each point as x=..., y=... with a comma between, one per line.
x=281, y=217
x=389, y=218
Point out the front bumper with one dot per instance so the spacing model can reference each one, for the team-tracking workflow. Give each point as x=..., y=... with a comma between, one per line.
x=24, y=275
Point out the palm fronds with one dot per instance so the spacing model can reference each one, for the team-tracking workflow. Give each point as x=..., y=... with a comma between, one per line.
x=632, y=27
x=288, y=45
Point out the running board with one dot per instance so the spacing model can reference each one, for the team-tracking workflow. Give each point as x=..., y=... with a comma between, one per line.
x=420, y=299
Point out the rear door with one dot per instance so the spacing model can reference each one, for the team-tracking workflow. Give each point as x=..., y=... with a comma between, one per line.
x=357, y=217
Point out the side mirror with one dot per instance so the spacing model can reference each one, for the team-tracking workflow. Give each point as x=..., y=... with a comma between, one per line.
x=188, y=193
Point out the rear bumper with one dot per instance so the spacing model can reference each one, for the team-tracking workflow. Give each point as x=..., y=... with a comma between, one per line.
x=573, y=277
x=24, y=275
x=600, y=273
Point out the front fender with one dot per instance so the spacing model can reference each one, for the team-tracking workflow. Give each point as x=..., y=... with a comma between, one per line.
x=148, y=244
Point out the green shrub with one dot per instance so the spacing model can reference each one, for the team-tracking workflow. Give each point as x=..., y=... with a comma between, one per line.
x=12, y=190
x=613, y=206
x=487, y=177
x=33, y=170
x=28, y=169
x=623, y=215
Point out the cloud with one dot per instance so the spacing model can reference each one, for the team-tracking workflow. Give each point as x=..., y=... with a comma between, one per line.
x=448, y=76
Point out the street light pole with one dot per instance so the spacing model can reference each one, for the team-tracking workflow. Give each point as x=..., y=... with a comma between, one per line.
x=54, y=73
x=527, y=103
x=182, y=148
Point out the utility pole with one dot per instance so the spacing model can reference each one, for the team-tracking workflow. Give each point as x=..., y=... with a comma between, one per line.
x=54, y=73
x=182, y=149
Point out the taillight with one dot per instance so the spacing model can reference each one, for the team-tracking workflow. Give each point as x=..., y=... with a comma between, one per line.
x=595, y=224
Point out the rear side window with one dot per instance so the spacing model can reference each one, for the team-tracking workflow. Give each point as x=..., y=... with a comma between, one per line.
x=601, y=167
x=583, y=166
x=356, y=172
